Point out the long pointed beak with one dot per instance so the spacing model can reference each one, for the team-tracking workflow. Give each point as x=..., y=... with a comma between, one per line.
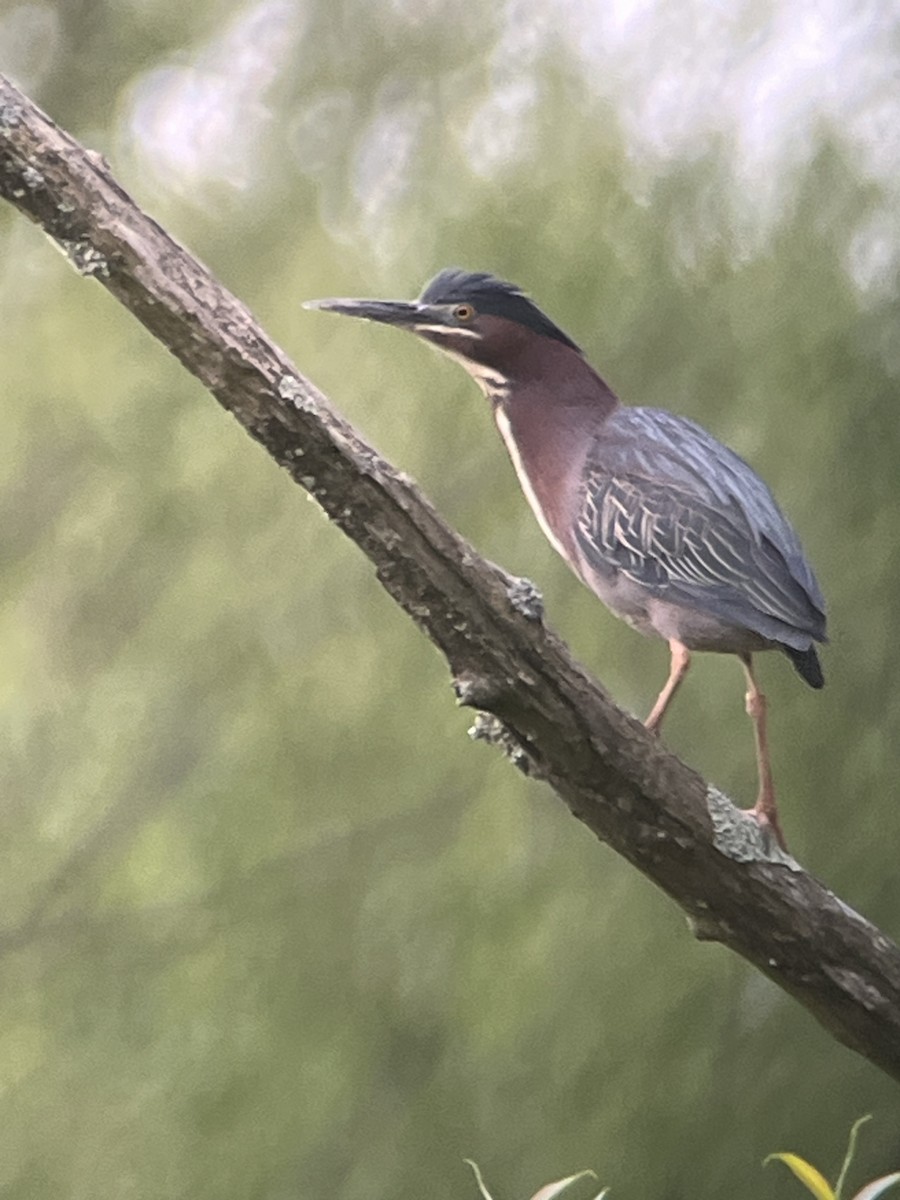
x=404, y=313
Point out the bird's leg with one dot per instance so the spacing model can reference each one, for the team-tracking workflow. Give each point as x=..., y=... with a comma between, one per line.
x=765, y=810
x=681, y=660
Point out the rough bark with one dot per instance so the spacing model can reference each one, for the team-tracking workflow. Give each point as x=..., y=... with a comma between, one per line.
x=552, y=718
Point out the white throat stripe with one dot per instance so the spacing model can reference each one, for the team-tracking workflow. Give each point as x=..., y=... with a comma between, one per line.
x=506, y=433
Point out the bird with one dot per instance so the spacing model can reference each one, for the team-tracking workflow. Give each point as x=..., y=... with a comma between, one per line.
x=672, y=530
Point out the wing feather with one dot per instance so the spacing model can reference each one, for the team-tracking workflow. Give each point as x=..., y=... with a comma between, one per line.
x=673, y=510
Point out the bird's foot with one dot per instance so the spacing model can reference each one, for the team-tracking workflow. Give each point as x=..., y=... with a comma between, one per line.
x=766, y=816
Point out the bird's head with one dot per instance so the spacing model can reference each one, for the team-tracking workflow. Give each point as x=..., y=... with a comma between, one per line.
x=486, y=324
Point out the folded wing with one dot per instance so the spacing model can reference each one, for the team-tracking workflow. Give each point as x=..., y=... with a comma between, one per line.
x=678, y=513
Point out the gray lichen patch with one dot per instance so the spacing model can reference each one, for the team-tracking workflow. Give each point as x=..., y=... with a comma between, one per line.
x=474, y=691
x=739, y=837
x=85, y=259
x=525, y=598
x=32, y=179
x=490, y=729
x=291, y=389
x=11, y=116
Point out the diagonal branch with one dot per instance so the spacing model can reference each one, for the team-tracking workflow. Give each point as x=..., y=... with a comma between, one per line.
x=545, y=710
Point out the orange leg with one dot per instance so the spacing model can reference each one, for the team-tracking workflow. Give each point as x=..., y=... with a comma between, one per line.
x=765, y=810
x=681, y=660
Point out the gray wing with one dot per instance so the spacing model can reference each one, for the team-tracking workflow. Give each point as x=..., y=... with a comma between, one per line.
x=678, y=513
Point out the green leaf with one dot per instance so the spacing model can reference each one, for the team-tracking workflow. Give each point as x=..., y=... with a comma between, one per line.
x=552, y=1190
x=807, y=1174
x=877, y=1187
x=486, y=1195
x=849, y=1156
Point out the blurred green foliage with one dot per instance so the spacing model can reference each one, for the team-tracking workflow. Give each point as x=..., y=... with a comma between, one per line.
x=271, y=926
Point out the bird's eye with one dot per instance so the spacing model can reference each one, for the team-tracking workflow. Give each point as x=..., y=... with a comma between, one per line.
x=464, y=312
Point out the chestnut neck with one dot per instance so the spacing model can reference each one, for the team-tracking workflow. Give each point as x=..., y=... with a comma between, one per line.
x=550, y=408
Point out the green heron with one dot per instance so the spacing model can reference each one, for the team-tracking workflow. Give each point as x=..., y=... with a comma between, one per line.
x=672, y=530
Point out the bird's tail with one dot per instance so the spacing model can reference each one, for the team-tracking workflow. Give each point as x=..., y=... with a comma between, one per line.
x=807, y=665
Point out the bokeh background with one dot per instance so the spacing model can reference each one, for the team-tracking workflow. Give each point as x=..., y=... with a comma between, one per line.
x=271, y=927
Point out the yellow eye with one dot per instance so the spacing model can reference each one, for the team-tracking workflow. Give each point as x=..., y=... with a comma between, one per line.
x=464, y=312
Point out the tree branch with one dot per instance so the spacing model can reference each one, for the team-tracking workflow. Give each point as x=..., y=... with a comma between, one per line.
x=545, y=710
